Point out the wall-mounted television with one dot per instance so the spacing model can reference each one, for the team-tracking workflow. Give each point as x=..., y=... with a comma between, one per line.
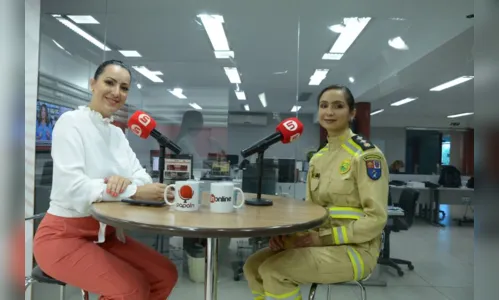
x=46, y=116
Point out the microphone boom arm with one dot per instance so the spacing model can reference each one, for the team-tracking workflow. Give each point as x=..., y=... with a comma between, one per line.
x=262, y=145
x=165, y=142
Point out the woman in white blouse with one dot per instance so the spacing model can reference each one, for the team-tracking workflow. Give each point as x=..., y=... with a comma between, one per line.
x=94, y=162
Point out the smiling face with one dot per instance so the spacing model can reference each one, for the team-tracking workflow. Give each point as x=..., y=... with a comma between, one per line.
x=110, y=90
x=334, y=112
x=43, y=113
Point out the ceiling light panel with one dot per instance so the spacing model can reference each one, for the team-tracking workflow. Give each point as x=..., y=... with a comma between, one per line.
x=232, y=74
x=377, y=112
x=130, y=53
x=83, y=33
x=403, y=101
x=318, y=76
x=246, y=107
x=195, y=106
x=295, y=108
x=352, y=28
x=240, y=95
x=398, y=43
x=263, y=99
x=58, y=45
x=460, y=115
x=78, y=19
x=213, y=25
x=224, y=54
x=451, y=83
x=151, y=75
x=332, y=56
x=178, y=92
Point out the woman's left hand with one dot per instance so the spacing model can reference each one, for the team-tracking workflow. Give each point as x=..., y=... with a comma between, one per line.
x=116, y=185
x=311, y=239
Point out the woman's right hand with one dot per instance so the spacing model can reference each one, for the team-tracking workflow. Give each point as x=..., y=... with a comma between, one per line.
x=276, y=243
x=152, y=191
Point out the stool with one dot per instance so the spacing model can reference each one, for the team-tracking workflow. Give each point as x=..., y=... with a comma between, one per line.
x=37, y=275
x=359, y=283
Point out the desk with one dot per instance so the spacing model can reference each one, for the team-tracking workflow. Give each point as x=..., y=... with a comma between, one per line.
x=441, y=195
x=286, y=216
x=434, y=205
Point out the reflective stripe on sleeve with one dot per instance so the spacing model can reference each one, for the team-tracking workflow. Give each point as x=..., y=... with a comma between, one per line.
x=338, y=212
x=357, y=263
x=340, y=235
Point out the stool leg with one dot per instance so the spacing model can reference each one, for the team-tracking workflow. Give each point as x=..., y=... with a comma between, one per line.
x=84, y=295
x=363, y=294
x=328, y=292
x=27, y=282
x=311, y=294
x=62, y=292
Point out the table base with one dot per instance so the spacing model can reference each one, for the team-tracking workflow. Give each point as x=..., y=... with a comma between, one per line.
x=211, y=272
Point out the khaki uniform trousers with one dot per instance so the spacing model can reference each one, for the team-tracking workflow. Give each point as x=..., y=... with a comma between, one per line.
x=277, y=275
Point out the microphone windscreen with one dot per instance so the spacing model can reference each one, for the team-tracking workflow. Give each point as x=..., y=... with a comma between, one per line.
x=291, y=129
x=141, y=124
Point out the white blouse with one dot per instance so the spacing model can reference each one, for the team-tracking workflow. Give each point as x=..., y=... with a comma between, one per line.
x=87, y=148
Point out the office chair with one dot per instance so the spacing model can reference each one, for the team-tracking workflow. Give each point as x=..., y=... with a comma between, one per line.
x=407, y=202
x=37, y=275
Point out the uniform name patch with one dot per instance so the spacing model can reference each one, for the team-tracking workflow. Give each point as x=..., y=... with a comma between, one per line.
x=372, y=157
x=373, y=167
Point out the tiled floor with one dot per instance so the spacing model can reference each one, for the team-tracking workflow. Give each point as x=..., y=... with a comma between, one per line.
x=442, y=257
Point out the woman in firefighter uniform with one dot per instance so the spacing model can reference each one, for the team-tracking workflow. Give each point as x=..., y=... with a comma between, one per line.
x=349, y=177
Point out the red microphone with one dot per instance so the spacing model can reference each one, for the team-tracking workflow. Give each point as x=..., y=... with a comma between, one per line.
x=141, y=124
x=144, y=126
x=287, y=131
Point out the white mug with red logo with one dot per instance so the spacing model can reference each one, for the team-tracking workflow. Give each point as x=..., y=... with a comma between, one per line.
x=187, y=195
x=223, y=197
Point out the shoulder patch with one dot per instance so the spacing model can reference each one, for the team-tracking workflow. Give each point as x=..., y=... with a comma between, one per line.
x=362, y=142
x=373, y=167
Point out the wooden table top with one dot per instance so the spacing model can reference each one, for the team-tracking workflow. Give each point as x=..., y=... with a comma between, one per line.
x=286, y=216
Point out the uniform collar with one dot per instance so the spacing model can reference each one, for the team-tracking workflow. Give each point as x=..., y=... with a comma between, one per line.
x=337, y=141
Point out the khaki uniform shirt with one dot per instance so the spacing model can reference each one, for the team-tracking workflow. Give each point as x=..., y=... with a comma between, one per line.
x=349, y=176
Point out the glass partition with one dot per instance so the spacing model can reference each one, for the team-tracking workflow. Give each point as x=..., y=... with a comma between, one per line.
x=218, y=76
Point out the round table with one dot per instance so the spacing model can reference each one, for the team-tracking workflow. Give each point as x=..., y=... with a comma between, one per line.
x=285, y=216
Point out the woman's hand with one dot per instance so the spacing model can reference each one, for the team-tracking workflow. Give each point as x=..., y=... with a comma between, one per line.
x=276, y=243
x=152, y=191
x=310, y=239
x=116, y=185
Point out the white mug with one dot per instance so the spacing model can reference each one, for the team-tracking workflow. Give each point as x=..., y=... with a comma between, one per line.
x=187, y=195
x=223, y=197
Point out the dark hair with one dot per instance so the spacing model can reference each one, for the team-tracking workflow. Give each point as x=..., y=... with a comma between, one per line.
x=102, y=67
x=346, y=91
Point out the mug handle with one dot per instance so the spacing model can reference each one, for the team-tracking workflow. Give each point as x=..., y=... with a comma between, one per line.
x=166, y=194
x=242, y=198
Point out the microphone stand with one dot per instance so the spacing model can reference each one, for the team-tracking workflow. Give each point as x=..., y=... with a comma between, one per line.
x=258, y=201
x=161, y=164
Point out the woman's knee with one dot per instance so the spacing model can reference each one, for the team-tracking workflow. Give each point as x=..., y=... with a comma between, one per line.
x=250, y=267
x=168, y=275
